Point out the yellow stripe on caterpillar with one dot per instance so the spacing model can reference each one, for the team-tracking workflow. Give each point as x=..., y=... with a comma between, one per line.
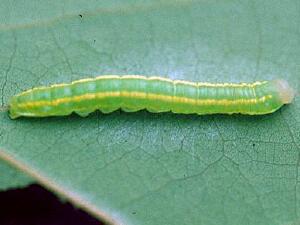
x=140, y=77
x=143, y=95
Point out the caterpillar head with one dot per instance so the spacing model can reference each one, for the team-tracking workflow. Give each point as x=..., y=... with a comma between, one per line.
x=286, y=92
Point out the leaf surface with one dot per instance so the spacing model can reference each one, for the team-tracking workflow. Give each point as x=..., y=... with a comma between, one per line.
x=12, y=178
x=143, y=168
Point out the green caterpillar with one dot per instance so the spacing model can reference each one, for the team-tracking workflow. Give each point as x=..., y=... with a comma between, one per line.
x=156, y=94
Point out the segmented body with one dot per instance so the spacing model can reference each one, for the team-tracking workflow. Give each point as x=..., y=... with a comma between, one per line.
x=156, y=94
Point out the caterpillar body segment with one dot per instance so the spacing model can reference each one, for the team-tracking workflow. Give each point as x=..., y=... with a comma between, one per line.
x=156, y=94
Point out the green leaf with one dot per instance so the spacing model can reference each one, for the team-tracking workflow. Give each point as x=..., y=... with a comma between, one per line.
x=12, y=178
x=143, y=168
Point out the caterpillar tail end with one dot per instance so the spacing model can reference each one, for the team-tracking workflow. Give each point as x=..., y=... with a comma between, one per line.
x=7, y=109
x=286, y=92
x=13, y=116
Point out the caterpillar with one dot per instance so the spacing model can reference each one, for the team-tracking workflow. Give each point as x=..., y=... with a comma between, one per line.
x=156, y=94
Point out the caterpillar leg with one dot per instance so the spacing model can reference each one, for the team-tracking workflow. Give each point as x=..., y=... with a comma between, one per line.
x=107, y=110
x=157, y=111
x=82, y=113
x=129, y=109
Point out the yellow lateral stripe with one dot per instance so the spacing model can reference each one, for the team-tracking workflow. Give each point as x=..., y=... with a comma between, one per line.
x=140, y=77
x=143, y=95
x=195, y=84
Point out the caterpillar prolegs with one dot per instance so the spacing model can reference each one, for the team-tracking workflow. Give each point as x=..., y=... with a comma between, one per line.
x=156, y=94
